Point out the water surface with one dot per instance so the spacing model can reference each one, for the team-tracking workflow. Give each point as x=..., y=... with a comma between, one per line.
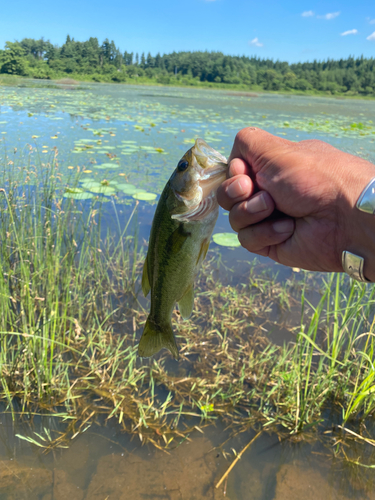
x=136, y=135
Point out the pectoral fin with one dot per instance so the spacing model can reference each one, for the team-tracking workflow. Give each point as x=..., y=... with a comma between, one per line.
x=186, y=304
x=155, y=337
x=145, y=281
x=178, y=238
x=203, y=251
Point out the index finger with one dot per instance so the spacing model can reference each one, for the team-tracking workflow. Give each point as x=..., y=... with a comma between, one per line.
x=255, y=146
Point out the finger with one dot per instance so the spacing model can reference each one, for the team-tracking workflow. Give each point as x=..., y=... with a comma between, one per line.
x=251, y=211
x=255, y=146
x=260, y=236
x=234, y=190
x=237, y=166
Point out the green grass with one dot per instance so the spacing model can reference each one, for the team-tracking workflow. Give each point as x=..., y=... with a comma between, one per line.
x=71, y=317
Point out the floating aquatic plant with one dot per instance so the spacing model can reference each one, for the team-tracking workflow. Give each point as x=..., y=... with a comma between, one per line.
x=78, y=196
x=106, y=190
x=144, y=196
x=226, y=239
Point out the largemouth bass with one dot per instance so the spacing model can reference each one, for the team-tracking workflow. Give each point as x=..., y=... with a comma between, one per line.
x=180, y=235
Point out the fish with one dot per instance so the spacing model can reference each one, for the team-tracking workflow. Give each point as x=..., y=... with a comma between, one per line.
x=180, y=236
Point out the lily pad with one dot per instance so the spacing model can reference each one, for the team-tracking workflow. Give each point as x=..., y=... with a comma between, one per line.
x=226, y=239
x=129, y=189
x=78, y=196
x=144, y=196
x=88, y=184
x=107, y=190
x=125, y=185
x=74, y=190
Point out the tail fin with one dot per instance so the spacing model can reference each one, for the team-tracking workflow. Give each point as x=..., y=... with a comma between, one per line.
x=155, y=337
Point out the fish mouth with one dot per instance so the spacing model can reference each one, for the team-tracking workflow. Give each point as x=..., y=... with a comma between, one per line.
x=211, y=180
x=212, y=167
x=210, y=170
x=206, y=156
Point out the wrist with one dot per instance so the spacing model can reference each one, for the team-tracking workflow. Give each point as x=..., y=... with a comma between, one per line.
x=360, y=226
x=362, y=242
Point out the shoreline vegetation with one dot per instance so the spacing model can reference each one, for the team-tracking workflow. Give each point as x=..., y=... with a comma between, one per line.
x=235, y=90
x=71, y=319
x=91, y=62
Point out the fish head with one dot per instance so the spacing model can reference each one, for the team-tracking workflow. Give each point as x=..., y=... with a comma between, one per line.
x=194, y=182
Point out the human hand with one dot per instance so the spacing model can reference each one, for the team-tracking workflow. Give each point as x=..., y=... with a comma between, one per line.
x=315, y=187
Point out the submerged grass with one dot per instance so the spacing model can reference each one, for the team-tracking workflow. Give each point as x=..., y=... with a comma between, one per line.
x=71, y=316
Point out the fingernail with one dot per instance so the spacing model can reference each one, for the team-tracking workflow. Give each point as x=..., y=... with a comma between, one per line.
x=256, y=204
x=283, y=226
x=235, y=189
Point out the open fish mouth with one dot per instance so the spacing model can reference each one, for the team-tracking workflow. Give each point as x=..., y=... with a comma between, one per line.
x=211, y=179
x=211, y=169
x=206, y=156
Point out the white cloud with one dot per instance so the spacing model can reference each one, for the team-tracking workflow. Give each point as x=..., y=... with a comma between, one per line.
x=330, y=15
x=256, y=42
x=349, y=32
x=307, y=13
x=372, y=21
x=371, y=37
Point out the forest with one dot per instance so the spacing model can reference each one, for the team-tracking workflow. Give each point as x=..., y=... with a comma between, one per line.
x=92, y=61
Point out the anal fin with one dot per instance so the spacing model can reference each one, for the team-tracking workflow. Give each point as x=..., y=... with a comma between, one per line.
x=186, y=303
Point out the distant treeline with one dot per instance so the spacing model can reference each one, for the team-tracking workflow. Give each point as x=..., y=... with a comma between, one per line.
x=105, y=62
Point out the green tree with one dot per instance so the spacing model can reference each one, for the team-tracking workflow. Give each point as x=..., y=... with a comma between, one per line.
x=290, y=80
x=13, y=59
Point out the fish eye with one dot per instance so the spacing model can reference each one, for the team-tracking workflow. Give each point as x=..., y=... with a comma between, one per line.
x=182, y=165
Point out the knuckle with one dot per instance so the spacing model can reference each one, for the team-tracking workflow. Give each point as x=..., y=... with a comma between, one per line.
x=243, y=134
x=240, y=136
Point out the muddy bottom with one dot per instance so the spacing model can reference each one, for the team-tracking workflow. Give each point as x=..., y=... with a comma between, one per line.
x=109, y=466
x=189, y=471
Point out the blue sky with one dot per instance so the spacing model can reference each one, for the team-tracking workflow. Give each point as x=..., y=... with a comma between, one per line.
x=291, y=30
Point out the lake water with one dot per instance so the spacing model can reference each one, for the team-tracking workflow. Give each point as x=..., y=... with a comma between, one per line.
x=135, y=135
